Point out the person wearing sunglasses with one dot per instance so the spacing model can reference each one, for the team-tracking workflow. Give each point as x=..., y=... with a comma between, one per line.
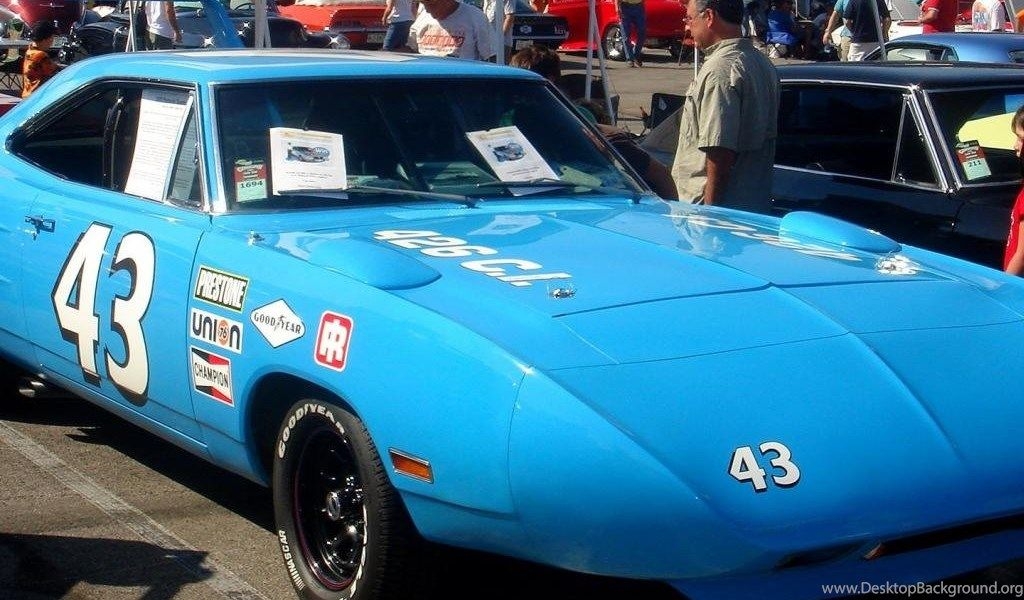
x=728, y=124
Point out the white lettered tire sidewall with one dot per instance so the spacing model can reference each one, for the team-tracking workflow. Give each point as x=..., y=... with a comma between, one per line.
x=306, y=417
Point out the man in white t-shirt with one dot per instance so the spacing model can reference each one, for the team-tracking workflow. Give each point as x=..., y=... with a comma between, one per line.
x=161, y=25
x=452, y=28
x=988, y=15
x=509, y=11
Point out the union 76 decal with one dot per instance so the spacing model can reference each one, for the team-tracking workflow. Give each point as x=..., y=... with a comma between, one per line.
x=74, y=304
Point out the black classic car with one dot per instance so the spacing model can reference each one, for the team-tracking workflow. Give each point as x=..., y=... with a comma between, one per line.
x=921, y=152
x=531, y=27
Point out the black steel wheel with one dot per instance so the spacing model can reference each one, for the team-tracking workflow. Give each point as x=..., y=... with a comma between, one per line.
x=343, y=531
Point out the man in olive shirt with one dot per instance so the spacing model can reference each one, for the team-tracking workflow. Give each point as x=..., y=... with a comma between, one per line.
x=728, y=125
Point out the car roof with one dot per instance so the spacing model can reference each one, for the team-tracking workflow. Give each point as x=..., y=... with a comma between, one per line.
x=965, y=38
x=246, y=64
x=925, y=74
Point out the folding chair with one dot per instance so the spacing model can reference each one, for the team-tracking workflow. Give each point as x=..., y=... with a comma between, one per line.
x=10, y=75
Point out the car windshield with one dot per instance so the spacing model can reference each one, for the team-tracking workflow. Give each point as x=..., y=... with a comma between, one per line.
x=284, y=145
x=976, y=127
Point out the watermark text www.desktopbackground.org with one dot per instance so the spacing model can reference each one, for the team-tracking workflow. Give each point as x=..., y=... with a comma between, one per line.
x=909, y=590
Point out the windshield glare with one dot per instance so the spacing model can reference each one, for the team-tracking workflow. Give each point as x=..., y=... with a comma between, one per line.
x=976, y=127
x=446, y=136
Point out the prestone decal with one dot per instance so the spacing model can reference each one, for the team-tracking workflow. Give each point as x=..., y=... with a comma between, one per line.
x=220, y=288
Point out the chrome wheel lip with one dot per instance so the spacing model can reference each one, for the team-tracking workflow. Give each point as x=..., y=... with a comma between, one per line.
x=613, y=43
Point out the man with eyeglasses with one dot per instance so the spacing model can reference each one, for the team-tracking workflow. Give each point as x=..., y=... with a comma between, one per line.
x=728, y=127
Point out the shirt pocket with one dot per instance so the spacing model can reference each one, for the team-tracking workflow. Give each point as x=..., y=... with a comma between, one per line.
x=688, y=126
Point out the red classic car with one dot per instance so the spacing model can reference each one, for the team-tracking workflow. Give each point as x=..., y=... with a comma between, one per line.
x=357, y=20
x=665, y=26
x=62, y=12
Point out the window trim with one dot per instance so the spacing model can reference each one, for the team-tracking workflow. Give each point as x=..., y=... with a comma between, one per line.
x=908, y=95
x=61, y=109
x=955, y=181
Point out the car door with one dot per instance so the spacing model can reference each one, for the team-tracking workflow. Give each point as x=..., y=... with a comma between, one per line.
x=15, y=229
x=858, y=153
x=107, y=271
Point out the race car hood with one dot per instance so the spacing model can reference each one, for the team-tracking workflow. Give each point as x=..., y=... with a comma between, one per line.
x=882, y=433
x=648, y=281
x=696, y=333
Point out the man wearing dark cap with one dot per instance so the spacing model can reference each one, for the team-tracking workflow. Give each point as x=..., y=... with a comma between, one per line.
x=728, y=124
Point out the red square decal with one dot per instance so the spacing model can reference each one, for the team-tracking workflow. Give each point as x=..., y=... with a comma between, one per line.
x=332, y=338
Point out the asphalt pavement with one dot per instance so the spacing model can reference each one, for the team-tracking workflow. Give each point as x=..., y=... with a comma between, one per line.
x=94, y=508
x=635, y=85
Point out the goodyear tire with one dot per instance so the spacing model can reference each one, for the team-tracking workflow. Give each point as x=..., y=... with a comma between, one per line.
x=343, y=531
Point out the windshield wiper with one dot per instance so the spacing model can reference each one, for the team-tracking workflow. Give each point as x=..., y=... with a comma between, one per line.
x=548, y=184
x=384, y=191
x=544, y=182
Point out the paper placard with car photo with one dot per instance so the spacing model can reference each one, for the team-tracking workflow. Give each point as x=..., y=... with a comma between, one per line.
x=510, y=155
x=306, y=160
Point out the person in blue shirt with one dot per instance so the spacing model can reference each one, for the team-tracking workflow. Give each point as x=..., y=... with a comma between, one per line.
x=782, y=29
x=836, y=20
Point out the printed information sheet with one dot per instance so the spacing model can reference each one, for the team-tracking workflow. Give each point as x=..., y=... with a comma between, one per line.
x=306, y=160
x=510, y=155
x=162, y=115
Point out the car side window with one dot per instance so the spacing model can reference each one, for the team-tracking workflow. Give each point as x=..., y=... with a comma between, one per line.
x=127, y=138
x=70, y=145
x=920, y=53
x=913, y=162
x=844, y=130
x=186, y=180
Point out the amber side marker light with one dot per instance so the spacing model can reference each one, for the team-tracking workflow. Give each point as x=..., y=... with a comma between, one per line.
x=417, y=468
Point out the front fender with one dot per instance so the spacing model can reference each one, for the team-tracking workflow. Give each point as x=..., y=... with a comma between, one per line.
x=591, y=499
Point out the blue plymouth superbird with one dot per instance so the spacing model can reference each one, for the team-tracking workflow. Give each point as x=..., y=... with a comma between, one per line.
x=412, y=340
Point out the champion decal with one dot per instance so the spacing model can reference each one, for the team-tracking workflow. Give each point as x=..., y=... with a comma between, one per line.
x=211, y=375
